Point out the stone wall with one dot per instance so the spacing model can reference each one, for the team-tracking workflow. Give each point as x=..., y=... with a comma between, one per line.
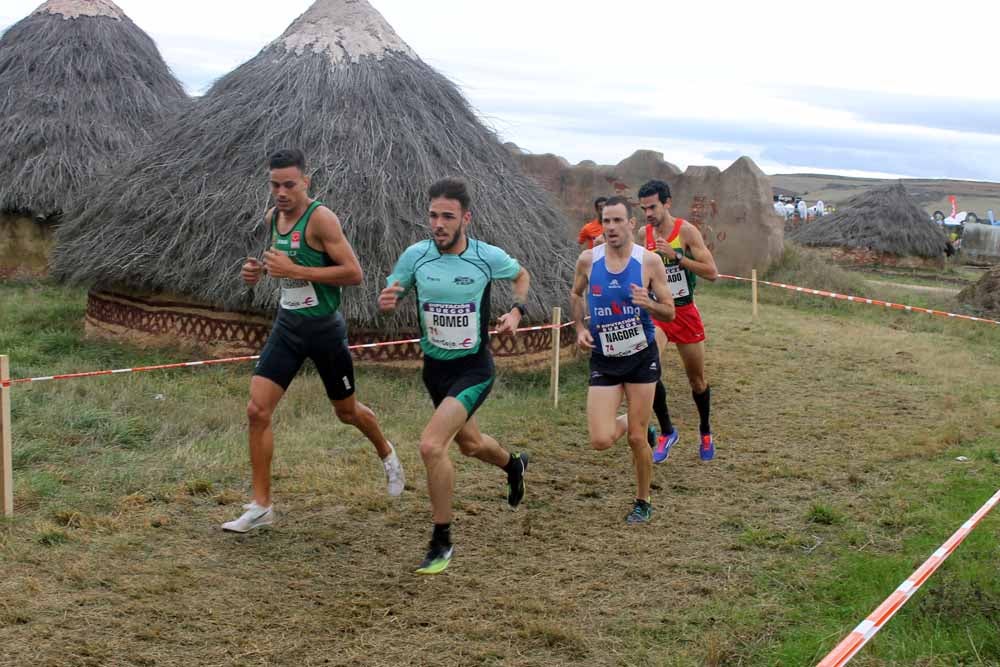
x=733, y=208
x=868, y=257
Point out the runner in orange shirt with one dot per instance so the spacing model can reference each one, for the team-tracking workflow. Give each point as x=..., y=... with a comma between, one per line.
x=592, y=233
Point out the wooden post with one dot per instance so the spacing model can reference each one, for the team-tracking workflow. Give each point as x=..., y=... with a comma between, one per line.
x=554, y=377
x=753, y=278
x=6, y=465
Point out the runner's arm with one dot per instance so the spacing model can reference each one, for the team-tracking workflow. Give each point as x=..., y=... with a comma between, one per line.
x=663, y=308
x=346, y=270
x=508, y=321
x=577, y=294
x=701, y=263
x=522, y=281
x=402, y=278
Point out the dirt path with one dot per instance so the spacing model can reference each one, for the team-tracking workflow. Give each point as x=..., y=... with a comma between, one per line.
x=947, y=291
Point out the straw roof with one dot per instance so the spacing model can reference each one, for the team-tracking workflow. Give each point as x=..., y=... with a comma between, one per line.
x=884, y=219
x=378, y=126
x=80, y=86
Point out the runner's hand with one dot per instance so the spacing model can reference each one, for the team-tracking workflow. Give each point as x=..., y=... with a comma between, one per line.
x=278, y=264
x=584, y=340
x=251, y=271
x=509, y=322
x=389, y=297
x=640, y=297
x=664, y=248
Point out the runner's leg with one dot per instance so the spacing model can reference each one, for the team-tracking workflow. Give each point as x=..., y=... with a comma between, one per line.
x=447, y=421
x=360, y=416
x=693, y=358
x=264, y=398
x=602, y=406
x=472, y=442
x=640, y=399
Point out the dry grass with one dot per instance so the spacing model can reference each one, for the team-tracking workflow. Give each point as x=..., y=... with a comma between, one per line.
x=128, y=567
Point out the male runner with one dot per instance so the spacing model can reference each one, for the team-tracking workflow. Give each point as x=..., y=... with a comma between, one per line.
x=591, y=233
x=616, y=279
x=312, y=260
x=452, y=274
x=686, y=257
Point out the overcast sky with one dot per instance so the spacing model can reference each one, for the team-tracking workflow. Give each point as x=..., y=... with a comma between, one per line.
x=877, y=87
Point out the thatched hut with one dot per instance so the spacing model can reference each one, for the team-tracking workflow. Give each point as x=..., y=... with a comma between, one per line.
x=80, y=87
x=163, y=241
x=881, y=226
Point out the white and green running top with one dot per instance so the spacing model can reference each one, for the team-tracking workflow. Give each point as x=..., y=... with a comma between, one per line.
x=453, y=294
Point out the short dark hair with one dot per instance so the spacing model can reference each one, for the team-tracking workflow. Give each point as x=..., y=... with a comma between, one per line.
x=615, y=201
x=599, y=201
x=287, y=157
x=658, y=188
x=451, y=188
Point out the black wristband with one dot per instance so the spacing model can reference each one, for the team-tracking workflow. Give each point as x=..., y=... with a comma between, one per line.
x=520, y=307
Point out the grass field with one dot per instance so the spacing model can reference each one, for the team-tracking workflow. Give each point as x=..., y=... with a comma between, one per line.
x=837, y=427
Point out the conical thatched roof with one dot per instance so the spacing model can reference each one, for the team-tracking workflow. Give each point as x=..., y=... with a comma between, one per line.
x=884, y=219
x=378, y=126
x=80, y=87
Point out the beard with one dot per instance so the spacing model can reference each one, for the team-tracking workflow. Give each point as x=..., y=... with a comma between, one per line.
x=447, y=244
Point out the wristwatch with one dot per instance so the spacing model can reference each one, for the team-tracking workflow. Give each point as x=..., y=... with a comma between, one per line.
x=521, y=307
x=678, y=255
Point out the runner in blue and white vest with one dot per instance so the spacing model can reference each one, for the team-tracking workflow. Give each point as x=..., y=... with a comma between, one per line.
x=619, y=281
x=451, y=275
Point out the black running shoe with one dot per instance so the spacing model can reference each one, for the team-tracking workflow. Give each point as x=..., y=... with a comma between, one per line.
x=515, y=480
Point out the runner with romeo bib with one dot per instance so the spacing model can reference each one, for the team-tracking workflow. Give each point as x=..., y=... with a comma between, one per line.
x=615, y=280
x=451, y=276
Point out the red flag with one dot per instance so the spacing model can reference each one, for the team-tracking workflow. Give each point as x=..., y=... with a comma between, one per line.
x=954, y=205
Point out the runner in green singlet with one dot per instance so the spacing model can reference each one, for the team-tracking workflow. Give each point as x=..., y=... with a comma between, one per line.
x=312, y=259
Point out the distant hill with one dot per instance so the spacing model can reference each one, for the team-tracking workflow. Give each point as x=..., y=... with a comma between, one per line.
x=932, y=195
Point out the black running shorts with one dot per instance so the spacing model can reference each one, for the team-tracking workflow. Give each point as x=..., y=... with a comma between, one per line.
x=295, y=338
x=640, y=368
x=468, y=379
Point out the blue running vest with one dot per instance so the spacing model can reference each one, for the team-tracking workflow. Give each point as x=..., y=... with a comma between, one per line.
x=619, y=328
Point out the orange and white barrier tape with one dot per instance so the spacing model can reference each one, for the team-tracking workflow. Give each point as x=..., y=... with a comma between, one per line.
x=861, y=299
x=230, y=360
x=854, y=642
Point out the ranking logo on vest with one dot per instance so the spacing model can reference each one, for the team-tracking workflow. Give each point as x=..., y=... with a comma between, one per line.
x=616, y=309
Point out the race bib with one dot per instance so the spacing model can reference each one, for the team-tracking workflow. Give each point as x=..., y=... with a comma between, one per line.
x=451, y=326
x=297, y=294
x=622, y=339
x=678, y=281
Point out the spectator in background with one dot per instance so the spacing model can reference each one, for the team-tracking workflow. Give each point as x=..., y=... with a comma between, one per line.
x=592, y=233
x=802, y=209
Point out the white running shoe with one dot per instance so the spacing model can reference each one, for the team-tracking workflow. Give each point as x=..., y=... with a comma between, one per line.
x=255, y=516
x=395, y=479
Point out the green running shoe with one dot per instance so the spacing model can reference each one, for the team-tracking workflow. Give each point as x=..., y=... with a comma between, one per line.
x=437, y=559
x=641, y=512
